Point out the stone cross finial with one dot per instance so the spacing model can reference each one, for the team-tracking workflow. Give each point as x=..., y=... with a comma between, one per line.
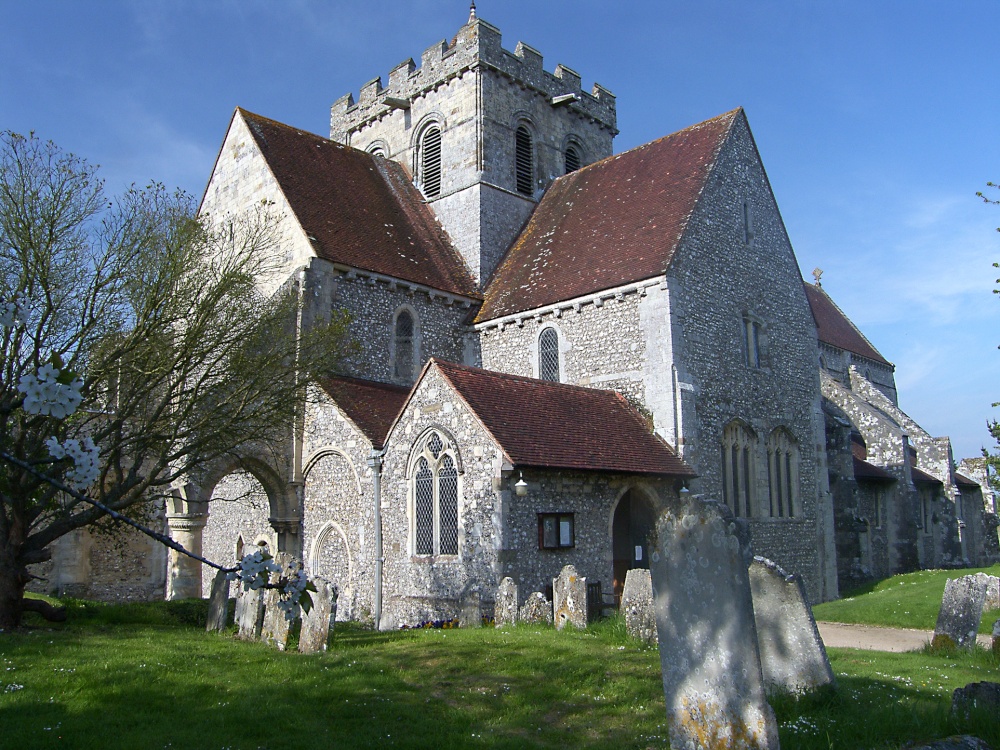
x=817, y=273
x=472, y=11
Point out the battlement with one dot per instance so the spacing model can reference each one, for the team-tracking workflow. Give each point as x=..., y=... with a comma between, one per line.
x=477, y=45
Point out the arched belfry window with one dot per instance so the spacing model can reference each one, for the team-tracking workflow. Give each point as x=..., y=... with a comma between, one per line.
x=783, y=473
x=572, y=158
x=524, y=161
x=430, y=161
x=548, y=355
x=739, y=450
x=435, y=498
x=404, y=350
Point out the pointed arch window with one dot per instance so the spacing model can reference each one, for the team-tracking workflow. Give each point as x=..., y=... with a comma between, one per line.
x=739, y=450
x=572, y=159
x=404, y=351
x=548, y=355
x=783, y=473
x=430, y=161
x=524, y=161
x=435, y=498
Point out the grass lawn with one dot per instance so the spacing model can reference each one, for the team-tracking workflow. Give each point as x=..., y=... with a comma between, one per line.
x=911, y=600
x=148, y=676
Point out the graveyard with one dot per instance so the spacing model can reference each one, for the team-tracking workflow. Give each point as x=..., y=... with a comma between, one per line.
x=525, y=685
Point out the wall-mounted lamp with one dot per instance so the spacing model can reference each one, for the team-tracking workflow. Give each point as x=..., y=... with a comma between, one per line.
x=521, y=487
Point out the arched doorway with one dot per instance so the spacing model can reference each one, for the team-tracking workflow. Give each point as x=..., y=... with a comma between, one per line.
x=632, y=531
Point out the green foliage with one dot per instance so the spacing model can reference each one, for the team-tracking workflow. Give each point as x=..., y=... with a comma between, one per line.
x=147, y=677
x=910, y=600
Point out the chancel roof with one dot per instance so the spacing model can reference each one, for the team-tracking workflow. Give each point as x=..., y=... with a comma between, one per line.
x=359, y=210
x=836, y=329
x=616, y=221
x=864, y=470
x=553, y=425
x=370, y=405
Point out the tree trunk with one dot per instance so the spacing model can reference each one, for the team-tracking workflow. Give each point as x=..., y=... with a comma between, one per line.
x=13, y=578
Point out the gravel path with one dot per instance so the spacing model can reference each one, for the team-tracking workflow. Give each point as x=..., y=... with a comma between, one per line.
x=840, y=635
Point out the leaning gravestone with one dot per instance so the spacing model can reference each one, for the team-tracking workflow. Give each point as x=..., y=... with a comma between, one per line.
x=472, y=613
x=250, y=611
x=637, y=606
x=536, y=609
x=976, y=697
x=792, y=656
x=505, y=609
x=276, y=625
x=218, y=603
x=317, y=623
x=569, y=599
x=712, y=678
x=961, y=611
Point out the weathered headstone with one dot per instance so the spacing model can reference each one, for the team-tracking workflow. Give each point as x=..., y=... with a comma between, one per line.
x=792, y=656
x=472, y=613
x=637, y=606
x=996, y=638
x=218, y=603
x=712, y=679
x=536, y=609
x=976, y=697
x=957, y=742
x=992, y=583
x=569, y=599
x=250, y=611
x=505, y=610
x=317, y=623
x=276, y=625
x=961, y=611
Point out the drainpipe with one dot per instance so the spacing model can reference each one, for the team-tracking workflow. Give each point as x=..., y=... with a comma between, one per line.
x=375, y=462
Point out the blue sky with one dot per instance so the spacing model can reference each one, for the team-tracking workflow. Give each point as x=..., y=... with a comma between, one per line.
x=877, y=123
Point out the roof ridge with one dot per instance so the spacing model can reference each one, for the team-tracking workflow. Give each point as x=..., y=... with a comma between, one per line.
x=821, y=290
x=524, y=378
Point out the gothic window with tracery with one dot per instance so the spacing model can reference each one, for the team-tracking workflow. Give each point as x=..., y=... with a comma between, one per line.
x=524, y=160
x=783, y=473
x=404, y=347
x=739, y=449
x=548, y=355
x=435, y=498
x=430, y=161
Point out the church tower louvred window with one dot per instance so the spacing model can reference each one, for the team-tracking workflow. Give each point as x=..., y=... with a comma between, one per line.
x=572, y=159
x=524, y=161
x=430, y=162
x=548, y=355
x=435, y=498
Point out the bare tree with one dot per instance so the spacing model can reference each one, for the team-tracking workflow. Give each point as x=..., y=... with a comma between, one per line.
x=182, y=360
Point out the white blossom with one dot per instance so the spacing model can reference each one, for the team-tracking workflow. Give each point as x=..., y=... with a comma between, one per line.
x=44, y=394
x=84, y=455
x=12, y=313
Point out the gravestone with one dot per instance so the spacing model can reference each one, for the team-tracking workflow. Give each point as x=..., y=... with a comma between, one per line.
x=472, y=613
x=637, y=606
x=961, y=611
x=317, y=623
x=792, y=656
x=992, y=583
x=536, y=609
x=996, y=638
x=976, y=697
x=957, y=742
x=569, y=599
x=218, y=603
x=276, y=625
x=250, y=611
x=505, y=610
x=712, y=679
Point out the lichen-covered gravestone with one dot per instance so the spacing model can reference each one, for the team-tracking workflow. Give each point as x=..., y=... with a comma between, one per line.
x=961, y=611
x=505, y=610
x=218, y=603
x=792, y=656
x=637, y=606
x=992, y=583
x=981, y=697
x=276, y=625
x=536, y=609
x=250, y=614
x=712, y=679
x=317, y=623
x=569, y=599
x=472, y=613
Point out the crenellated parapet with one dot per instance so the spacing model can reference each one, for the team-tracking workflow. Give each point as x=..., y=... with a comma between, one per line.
x=477, y=46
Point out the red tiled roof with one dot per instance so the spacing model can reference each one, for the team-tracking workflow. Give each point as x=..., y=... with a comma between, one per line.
x=963, y=481
x=836, y=329
x=359, y=210
x=920, y=477
x=370, y=405
x=616, y=221
x=864, y=470
x=553, y=425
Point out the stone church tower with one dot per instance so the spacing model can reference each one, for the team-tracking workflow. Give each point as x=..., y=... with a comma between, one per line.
x=482, y=130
